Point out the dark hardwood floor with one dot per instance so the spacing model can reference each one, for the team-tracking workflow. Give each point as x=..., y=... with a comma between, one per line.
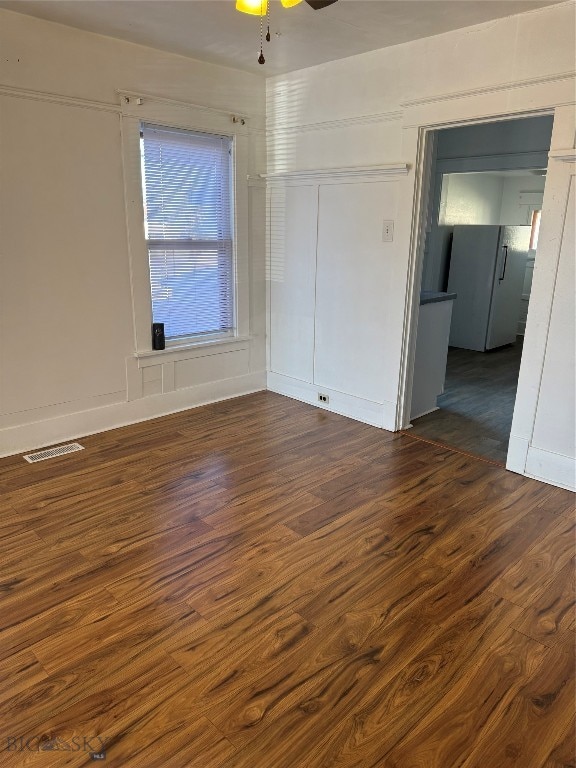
x=259, y=583
x=478, y=402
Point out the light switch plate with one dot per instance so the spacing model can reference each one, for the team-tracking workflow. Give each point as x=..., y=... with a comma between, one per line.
x=388, y=231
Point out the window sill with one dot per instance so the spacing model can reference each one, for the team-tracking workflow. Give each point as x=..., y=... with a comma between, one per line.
x=191, y=349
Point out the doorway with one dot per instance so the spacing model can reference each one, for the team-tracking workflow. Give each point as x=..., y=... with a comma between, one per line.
x=483, y=216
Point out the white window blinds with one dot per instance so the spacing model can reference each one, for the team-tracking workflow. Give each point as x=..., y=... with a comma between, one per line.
x=187, y=181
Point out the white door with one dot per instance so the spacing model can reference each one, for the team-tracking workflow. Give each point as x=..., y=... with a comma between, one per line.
x=355, y=267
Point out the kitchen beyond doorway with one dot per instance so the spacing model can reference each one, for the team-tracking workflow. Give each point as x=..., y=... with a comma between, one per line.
x=475, y=410
x=483, y=209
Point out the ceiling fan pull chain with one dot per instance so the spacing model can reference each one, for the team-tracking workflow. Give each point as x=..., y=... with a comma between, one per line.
x=261, y=59
x=268, y=38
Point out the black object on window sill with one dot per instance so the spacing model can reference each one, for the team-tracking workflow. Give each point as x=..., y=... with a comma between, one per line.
x=158, y=339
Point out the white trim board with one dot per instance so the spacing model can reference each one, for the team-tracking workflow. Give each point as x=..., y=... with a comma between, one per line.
x=188, y=116
x=551, y=468
x=131, y=100
x=57, y=98
x=328, y=125
x=364, y=172
x=28, y=437
x=376, y=414
x=511, y=85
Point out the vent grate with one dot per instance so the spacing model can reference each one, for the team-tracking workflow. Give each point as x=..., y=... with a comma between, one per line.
x=51, y=453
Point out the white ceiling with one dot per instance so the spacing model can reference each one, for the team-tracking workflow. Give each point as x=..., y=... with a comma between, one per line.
x=214, y=31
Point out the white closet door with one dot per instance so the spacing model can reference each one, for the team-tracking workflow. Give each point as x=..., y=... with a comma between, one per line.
x=354, y=273
x=293, y=219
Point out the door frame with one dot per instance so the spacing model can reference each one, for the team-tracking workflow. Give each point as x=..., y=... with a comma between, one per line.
x=421, y=122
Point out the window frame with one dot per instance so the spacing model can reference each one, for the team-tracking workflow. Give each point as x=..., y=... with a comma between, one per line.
x=535, y=221
x=169, y=244
x=135, y=111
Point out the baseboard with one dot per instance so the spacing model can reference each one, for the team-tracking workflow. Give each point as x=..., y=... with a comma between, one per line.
x=517, y=454
x=424, y=413
x=381, y=415
x=552, y=468
x=28, y=437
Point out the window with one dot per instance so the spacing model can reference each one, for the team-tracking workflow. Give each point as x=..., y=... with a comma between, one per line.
x=535, y=231
x=187, y=185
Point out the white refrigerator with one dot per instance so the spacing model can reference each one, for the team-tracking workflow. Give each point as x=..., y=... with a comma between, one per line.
x=487, y=267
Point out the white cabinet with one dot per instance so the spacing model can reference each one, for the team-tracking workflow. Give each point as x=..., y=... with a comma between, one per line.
x=431, y=352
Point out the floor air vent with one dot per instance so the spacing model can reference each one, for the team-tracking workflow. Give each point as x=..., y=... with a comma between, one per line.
x=51, y=453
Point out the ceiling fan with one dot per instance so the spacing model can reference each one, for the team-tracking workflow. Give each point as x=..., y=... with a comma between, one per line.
x=317, y=5
x=262, y=8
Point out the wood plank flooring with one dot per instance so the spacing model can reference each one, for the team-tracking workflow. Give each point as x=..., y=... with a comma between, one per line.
x=259, y=583
x=477, y=405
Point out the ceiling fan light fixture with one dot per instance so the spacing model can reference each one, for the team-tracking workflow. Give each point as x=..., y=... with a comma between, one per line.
x=253, y=7
x=317, y=5
x=262, y=8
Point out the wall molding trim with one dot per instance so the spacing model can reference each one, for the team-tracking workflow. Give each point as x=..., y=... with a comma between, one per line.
x=353, y=172
x=27, y=437
x=563, y=155
x=189, y=351
x=131, y=102
x=257, y=180
x=552, y=468
x=517, y=453
x=122, y=108
x=343, y=122
x=376, y=414
x=57, y=98
x=483, y=90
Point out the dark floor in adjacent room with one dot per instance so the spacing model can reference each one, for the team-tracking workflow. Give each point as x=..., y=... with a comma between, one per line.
x=476, y=408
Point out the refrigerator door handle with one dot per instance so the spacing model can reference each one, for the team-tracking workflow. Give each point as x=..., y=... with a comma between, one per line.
x=505, y=249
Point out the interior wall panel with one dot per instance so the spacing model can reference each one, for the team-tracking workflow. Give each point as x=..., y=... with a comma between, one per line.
x=293, y=225
x=354, y=269
x=65, y=294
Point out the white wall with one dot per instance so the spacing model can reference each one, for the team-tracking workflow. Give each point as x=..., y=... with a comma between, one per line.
x=67, y=336
x=521, y=195
x=470, y=198
x=370, y=110
x=488, y=198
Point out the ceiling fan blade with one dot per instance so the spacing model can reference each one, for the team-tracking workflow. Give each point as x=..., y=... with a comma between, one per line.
x=317, y=5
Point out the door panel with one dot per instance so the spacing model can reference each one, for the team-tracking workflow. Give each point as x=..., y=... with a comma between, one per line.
x=293, y=216
x=355, y=269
